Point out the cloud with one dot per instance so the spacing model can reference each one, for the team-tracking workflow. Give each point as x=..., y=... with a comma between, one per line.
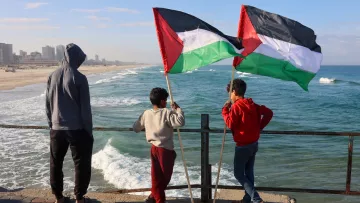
x=86, y=10
x=121, y=10
x=108, y=9
x=35, y=5
x=137, y=24
x=97, y=18
x=23, y=20
x=28, y=27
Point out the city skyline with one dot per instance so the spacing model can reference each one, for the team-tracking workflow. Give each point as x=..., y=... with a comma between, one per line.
x=49, y=55
x=125, y=30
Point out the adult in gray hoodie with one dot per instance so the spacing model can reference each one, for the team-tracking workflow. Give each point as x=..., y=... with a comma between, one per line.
x=69, y=116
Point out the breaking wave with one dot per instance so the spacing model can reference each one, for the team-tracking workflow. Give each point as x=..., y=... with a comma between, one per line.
x=334, y=81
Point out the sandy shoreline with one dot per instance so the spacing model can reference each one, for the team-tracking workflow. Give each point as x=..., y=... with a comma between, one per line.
x=23, y=77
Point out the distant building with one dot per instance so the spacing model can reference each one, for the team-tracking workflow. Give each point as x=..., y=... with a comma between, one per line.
x=97, y=58
x=36, y=59
x=48, y=53
x=6, y=53
x=35, y=56
x=60, y=50
x=22, y=54
x=1, y=57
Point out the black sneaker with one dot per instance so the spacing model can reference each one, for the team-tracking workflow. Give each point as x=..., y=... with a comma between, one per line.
x=150, y=200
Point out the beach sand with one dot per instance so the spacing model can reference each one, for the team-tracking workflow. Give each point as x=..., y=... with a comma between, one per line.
x=27, y=76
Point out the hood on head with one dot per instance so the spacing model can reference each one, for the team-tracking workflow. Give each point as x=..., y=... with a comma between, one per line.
x=74, y=56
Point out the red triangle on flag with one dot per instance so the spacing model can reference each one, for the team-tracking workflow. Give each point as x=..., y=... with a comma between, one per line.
x=171, y=45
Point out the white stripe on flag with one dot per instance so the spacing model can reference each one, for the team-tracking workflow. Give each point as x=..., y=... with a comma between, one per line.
x=301, y=57
x=199, y=38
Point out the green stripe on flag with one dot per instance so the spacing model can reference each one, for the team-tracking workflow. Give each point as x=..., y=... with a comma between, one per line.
x=204, y=56
x=260, y=64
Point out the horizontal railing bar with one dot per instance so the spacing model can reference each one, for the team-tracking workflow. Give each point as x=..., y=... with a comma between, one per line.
x=300, y=190
x=113, y=129
x=268, y=189
x=176, y=187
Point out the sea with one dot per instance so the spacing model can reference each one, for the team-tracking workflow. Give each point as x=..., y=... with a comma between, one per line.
x=121, y=159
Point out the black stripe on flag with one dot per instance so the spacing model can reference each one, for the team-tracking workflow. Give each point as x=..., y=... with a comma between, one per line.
x=181, y=22
x=282, y=28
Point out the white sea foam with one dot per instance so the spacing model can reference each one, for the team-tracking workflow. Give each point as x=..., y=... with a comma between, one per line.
x=125, y=171
x=212, y=70
x=27, y=110
x=245, y=75
x=327, y=80
x=113, y=101
x=189, y=71
x=43, y=94
x=118, y=76
x=103, y=81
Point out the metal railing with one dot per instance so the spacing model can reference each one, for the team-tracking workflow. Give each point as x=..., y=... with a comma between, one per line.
x=206, y=185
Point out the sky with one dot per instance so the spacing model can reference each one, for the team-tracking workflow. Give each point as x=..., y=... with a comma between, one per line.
x=124, y=29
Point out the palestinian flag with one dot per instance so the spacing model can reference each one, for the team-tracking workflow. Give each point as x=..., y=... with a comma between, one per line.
x=277, y=47
x=187, y=43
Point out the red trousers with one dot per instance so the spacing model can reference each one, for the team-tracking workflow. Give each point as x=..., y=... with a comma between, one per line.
x=162, y=164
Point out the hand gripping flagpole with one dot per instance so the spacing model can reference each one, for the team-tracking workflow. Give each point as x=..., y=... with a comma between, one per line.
x=180, y=142
x=224, y=136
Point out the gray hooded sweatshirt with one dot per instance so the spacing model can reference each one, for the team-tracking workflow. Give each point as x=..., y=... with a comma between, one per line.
x=67, y=94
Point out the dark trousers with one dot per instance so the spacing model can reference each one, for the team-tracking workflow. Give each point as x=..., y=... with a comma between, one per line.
x=244, y=161
x=81, y=144
x=162, y=165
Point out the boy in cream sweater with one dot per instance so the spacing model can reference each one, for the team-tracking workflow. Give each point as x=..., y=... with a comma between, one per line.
x=159, y=123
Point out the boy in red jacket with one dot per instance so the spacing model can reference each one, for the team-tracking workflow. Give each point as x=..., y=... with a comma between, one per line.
x=246, y=120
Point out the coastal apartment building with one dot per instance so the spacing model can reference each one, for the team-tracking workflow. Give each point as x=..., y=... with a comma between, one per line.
x=60, y=50
x=48, y=53
x=6, y=54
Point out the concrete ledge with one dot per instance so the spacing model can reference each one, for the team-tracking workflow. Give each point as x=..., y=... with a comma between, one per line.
x=45, y=196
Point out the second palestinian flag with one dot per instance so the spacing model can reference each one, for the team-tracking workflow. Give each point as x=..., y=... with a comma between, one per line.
x=277, y=47
x=187, y=43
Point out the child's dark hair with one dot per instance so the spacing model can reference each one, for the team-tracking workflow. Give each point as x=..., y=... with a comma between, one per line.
x=158, y=94
x=239, y=86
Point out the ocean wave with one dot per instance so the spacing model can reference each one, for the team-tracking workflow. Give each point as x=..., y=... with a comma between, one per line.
x=125, y=171
x=189, y=71
x=324, y=80
x=27, y=110
x=43, y=94
x=119, y=75
x=113, y=101
x=103, y=81
x=24, y=158
x=212, y=70
x=245, y=75
x=327, y=80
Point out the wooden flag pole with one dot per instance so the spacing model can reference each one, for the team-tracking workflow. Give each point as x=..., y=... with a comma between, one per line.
x=224, y=136
x=180, y=142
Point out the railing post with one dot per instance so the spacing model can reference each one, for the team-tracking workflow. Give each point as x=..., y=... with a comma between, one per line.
x=209, y=182
x=204, y=158
x=349, y=164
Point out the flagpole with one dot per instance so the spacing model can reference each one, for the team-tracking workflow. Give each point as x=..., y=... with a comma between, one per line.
x=180, y=141
x=224, y=136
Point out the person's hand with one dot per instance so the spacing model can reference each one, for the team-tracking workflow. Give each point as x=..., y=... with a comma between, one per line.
x=175, y=105
x=228, y=104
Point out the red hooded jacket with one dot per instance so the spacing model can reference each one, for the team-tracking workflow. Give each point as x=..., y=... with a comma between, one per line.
x=246, y=119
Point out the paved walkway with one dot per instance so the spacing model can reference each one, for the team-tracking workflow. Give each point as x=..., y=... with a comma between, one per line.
x=45, y=196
